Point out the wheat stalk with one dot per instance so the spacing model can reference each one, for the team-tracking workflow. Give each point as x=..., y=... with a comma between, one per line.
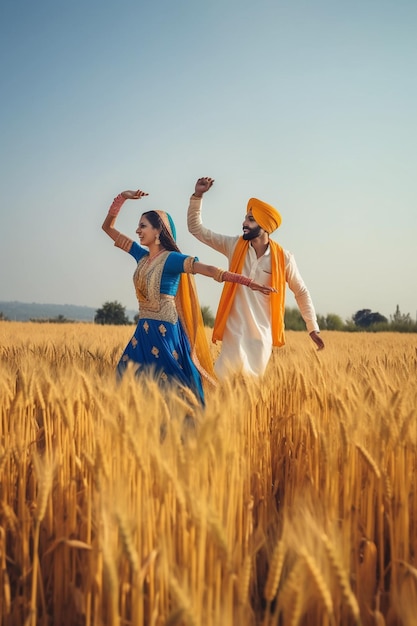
x=274, y=572
x=342, y=578
x=319, y=581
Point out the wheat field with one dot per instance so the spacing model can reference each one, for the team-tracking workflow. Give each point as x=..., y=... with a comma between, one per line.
x=288, y=501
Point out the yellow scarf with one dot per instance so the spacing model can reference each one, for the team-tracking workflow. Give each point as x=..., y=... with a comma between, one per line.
x=189, y=312
x=277, y=299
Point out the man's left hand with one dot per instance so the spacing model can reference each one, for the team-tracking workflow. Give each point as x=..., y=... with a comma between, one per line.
x=317, y=340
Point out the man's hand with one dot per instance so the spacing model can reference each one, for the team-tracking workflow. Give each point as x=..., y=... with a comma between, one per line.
x=134, y=195
x=317, y=340
x=203, y=185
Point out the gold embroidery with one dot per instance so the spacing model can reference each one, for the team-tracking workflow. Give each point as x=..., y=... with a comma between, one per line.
x=175, y=355
x=146, y=327
x=147, y=280
x=189, y=265
x=155, y=352
x=163, y=377
x=162, y=330
x=125, y=358
x=166, y=313
x=134, y=342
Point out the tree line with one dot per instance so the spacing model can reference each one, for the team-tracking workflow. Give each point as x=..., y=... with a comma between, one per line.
x=362, y=320
x=114, y=313
x=365, y=319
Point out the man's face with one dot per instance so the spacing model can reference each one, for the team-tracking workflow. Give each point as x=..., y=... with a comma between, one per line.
x=251, y=229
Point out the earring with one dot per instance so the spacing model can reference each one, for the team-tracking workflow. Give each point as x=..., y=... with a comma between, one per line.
x=157, y=240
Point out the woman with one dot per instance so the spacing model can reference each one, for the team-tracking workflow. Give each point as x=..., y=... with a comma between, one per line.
x=169, y=341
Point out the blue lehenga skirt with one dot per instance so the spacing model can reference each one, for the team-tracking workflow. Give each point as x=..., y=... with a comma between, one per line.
x=162, y=349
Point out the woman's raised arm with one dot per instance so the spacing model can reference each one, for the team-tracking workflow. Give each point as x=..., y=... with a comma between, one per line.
x=110, y=219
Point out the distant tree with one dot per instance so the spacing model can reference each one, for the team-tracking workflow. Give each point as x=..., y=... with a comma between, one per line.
x=60, y=319
x=350, y=326
x=360, y=317
x=400, y=319
x=3, y=318
x=366, y=318
x=293, y=319
x=377, y=318
x=111, y=313
x=334, y=322
x=208, y=317
x=321, y=321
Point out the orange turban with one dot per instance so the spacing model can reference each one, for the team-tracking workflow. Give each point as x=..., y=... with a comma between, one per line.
x=265, y=215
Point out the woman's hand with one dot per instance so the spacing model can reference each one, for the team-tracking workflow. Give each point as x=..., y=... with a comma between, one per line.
x=134, y=195
x=262, y=288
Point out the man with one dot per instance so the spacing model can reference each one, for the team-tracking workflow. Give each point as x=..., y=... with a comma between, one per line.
x=249, y=324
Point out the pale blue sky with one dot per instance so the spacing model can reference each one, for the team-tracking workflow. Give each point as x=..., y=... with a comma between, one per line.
x=310, y=106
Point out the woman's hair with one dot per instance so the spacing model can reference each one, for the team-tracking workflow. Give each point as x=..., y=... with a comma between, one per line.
x=165, y=237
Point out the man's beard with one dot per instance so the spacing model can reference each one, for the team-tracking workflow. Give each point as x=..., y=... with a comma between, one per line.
x=252, y=233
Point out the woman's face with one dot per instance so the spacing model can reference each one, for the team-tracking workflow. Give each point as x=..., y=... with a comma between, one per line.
x=146, y=232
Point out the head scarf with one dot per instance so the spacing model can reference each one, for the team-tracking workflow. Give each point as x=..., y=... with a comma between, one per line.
x=169, y=223
x=265, y=215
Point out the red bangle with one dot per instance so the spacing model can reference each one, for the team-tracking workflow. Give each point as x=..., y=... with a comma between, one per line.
x=231, y=277
x=116, y=205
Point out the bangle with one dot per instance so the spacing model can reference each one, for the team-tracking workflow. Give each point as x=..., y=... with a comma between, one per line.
x=116, y=205
x=219, y=275
x=123, y=242
x=231, y=277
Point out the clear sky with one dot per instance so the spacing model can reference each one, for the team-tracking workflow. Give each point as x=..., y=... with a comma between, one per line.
x=308, y=105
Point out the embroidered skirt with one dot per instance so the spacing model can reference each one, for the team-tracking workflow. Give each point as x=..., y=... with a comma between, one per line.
x=162, y=350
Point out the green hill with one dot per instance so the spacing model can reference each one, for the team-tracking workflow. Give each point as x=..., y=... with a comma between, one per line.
x=25, y=311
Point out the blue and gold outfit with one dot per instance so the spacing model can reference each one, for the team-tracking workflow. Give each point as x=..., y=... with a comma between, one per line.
x=161, y=344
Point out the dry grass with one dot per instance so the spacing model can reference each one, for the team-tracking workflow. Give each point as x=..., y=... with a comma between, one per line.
x=290, y=500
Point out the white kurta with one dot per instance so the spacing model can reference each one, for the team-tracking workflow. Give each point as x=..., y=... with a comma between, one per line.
x=247, y=338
